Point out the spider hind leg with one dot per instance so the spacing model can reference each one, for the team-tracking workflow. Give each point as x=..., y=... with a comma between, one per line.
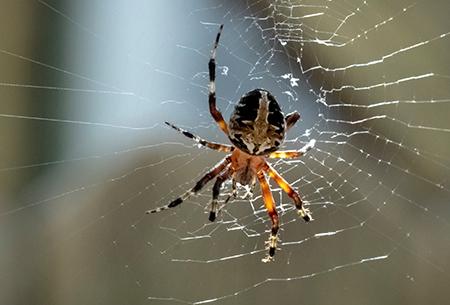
x=285, y=186
x=216, y=170
x=216, y=191
x=271, y=210
x=233, y=192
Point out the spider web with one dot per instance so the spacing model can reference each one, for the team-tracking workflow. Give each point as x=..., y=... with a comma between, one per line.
x=85, y=153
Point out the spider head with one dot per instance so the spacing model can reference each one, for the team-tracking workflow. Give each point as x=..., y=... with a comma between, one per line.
x=257, y=125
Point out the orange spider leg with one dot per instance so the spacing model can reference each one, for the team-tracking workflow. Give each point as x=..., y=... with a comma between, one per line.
x=285, y=186
x=271, y=210
x=286, y=154
x=289, y=154
x=212, y=86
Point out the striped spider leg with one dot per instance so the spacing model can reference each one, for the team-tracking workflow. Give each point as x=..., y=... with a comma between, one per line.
x=216, y=114
x=290, y=154
x=216, y=191
x=269, y=203
x=286, y=187
x=216, y=170
x=211, y=145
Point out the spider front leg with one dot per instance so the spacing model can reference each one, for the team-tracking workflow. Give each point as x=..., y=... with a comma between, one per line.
x=271, y=210
x=212, y=86
x=289, y=154
x=285, y=186
x=233, y=191
x=211, y=145
x=198, y=186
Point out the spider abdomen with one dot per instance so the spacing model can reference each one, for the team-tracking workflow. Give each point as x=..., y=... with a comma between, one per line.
x=257, y=125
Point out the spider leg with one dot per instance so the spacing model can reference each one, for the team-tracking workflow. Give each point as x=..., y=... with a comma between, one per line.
x=198, y=186
x=212, y=86
x=289, y=154
x=291, y=119
x=285, y=186
x=233, y=191
x=269, y=203
x=216, y=191
x=250, y=189
x=212, y=145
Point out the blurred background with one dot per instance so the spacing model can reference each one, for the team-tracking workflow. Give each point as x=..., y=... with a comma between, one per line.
x=85, y=87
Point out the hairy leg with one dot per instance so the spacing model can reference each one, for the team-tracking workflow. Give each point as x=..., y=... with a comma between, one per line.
x=271, y=210
x=285, y=186
x=290, y=154
x=212, y=86
x=212, y=145
x=233, y=191
x=198, y=186
x=216, y=192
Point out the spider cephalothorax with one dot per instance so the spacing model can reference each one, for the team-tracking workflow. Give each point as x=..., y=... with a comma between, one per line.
x=257, y=129
x=257, y=125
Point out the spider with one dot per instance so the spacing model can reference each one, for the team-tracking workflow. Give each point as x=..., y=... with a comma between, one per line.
x=256, y=129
